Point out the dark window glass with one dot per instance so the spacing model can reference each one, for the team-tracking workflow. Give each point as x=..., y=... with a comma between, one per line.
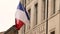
x=29, y=12
x=36, y=9
x=53, y=6
x=53, y=32
x=44, y=9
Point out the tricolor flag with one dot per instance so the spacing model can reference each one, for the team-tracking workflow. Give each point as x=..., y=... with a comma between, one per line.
x=21, y=16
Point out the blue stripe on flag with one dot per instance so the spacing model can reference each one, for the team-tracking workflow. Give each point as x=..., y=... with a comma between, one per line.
x=21, y=7
x=27, y=14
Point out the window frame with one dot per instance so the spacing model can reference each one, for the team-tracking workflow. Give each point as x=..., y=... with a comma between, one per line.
x=36, y=8
x=53, y=29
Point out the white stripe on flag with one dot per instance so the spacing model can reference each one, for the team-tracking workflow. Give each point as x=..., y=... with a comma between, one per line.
x=21, y=16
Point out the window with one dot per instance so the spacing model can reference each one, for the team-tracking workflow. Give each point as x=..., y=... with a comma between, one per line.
x=27, y=26
x=53, y=32
x=43, y=10
x=29, y=11
x=36, y=11
x=53, y=6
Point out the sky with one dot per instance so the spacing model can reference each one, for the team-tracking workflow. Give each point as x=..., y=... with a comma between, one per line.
x=7, y=13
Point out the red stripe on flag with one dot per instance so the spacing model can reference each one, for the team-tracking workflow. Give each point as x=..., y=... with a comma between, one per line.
x=18, y=24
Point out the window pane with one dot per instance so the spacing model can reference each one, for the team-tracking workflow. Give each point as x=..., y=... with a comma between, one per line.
x=29, y=12
x=53, y=32
x=53, y=6
x=30, y=16
x=43, y=9
x=36, y=10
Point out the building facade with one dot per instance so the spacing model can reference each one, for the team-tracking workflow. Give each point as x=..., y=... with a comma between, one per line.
x=44, y=17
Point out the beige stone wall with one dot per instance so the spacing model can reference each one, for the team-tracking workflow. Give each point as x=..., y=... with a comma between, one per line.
x=53, y=24
x=53, y=19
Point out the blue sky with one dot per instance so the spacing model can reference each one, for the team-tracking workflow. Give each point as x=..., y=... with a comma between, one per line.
x=7, y=13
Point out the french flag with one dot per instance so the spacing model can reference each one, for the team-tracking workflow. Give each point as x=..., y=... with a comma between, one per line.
x=21, y=16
